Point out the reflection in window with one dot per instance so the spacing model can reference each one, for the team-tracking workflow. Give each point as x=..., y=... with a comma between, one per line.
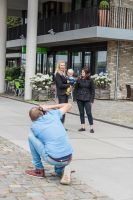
x=62, y=56
x=101, y=61
x=76, y=62
x=38, y=64
x=23, y=59
x=78, y=4
x=50, y=65
x=41, y=63
x=44, y=70
x=87, y=59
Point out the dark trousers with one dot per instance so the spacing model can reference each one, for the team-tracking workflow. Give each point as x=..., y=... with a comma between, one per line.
x=82, y=106
x=63, y=99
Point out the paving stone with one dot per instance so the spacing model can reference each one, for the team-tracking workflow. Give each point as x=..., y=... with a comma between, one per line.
x=15, y=185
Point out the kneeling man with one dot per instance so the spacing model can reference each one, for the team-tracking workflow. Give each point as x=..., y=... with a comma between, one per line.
x=49, y=141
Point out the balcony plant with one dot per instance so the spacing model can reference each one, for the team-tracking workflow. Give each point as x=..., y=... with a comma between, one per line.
x=103, y=13
x=41, y=83
x=102, y=86
x=104, y=5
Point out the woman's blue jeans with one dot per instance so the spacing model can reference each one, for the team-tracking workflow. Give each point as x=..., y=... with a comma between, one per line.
x=38, y=153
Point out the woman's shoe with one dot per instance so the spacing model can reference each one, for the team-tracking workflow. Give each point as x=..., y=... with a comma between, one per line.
x=91, y=130
x=81, y=129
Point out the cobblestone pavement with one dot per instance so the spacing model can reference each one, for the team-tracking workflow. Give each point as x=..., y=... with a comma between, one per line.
x=15, y=185
x=119, y=112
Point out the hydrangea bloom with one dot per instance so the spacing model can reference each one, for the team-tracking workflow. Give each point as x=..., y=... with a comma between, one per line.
x=102, y=80
x=41, y=82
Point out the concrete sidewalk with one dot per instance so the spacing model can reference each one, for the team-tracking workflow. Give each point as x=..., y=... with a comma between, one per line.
x=102, y=160
x=16, y=185
x=109, y=111
x=115, y=112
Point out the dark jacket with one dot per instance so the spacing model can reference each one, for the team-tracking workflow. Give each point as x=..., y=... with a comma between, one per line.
x=85, y=90
x=61, y=84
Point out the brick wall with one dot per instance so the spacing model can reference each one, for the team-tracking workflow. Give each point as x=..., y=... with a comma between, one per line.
x=125, y=66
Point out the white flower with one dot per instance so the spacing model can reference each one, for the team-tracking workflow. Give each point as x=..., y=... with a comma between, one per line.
x=41, y=81
x=101, y=80
x=46, y=87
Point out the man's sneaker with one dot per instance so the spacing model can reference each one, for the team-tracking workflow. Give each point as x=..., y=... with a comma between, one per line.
x=92, y=130
x=66, y=177
x=38, y=173
x=81, y=129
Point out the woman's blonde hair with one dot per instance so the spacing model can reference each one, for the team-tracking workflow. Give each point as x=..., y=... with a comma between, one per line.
x=57, y=70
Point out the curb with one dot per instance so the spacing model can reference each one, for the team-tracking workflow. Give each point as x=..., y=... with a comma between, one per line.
x=96, y=119
x=107, y=122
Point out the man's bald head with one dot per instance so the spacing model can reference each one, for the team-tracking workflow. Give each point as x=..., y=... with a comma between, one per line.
x=35, y=113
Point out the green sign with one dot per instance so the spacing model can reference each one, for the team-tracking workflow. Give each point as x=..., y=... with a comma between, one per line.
x=23, y=49
x=39, y=50
x=42, y=50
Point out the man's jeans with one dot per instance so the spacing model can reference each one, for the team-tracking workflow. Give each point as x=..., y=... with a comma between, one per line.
x=38, y=151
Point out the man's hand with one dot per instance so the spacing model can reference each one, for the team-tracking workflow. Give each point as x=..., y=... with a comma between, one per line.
x=44, y=107
x=64, y=107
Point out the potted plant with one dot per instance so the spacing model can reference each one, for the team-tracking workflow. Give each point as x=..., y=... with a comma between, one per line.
x=40, y=84
x=103, y=13
x=102, y=86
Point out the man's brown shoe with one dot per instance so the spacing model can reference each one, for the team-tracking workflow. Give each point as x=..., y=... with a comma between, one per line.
x=38, y=173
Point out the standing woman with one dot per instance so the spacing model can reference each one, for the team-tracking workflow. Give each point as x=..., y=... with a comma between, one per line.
x=85, y=97
x=61, y=84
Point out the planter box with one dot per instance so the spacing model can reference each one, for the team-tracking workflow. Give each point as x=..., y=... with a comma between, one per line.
x=40, y=95
x=102, y=93
x=103, y=17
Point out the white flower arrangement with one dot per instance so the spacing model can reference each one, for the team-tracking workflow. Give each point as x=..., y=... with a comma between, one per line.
x=41, y=82
x=102, y=80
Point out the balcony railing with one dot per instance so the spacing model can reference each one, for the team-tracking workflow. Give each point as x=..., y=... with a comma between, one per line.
x=16, y=32
x=69, y=21
x=115, y=17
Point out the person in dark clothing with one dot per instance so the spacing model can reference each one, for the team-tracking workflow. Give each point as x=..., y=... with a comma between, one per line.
x=85, y=93
x=61, y=84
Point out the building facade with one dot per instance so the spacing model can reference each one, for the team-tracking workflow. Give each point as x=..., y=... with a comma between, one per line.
x=76, y=31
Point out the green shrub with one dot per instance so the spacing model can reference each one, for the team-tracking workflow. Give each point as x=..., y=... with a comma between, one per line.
x=104, y=4
x=12, y=73
x=13, y=21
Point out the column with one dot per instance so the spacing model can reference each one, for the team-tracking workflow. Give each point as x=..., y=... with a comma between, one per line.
x=31, y=46
x=3, y=33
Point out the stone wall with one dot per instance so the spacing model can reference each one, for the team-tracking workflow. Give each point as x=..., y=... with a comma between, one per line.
x=124, y=73
x=122, y=3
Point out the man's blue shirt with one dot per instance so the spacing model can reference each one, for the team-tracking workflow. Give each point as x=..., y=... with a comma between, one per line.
x=51, y=132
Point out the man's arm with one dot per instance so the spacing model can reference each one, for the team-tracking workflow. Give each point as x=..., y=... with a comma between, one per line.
x=63, y=107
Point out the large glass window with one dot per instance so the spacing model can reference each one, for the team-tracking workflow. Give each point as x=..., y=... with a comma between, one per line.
x=44, y=60
x=78, y=4
x=101, y=61
x=50, y=65
x=38, y=64
x=77, y=62
x=41, y=63
x=23, y=59
x=62, y=56
x=87, y=3
x=87, y=59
